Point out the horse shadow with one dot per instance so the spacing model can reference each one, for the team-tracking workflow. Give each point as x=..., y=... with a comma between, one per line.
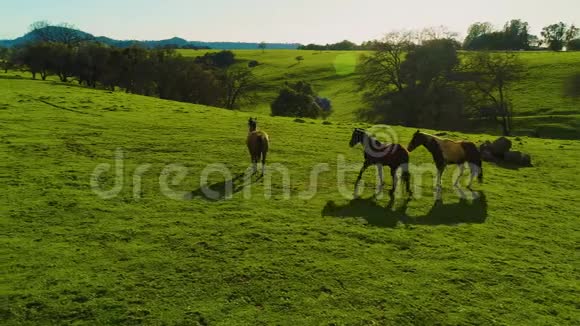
x=225, y=189
x=472, y=211
x=370, y=210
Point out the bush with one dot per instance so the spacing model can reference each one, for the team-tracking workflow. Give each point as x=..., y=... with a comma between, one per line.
x=222, y=59
x=253, y=64
x=573, y=45
x=325, y=105
x=572, y=86
x=297, y=100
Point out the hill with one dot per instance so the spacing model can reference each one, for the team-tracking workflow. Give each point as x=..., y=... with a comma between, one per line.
x=70, y=256
x=175, y=41
x=539, y=102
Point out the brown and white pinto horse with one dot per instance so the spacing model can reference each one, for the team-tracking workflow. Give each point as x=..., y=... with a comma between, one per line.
x=445, y=152
x=376, y=153
x=258, y=145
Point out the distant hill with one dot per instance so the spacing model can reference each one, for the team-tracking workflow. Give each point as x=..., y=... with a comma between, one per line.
x=172, y=42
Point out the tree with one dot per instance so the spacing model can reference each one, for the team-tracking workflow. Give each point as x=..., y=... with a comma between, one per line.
x=573, y=45
x=240, y=85
x=345, y=45
x=491, y=75
x=382, y=69
x=434, y=33
x=43, y=31
x=221, y=59
x=296, y=100
x=262, y=46
x=516, y=33
x=411, y=84
x=475, y=31
x=5, y=58
x=35, y=57
x=556, y=36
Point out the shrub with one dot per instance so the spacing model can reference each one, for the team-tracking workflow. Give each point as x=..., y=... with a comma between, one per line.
x=573, y=45
x=296, y=100
x=325, y=105
x=572, y=86
x=222, y=59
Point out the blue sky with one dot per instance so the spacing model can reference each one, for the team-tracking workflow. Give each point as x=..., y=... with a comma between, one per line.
x=302, y=21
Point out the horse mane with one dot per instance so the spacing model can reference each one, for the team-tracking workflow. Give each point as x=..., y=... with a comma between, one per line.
x=373, y=141
x=433, y=137
x=430, y=136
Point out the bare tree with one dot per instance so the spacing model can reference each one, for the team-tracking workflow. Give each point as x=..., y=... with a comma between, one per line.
x=262, y=46
x=556, y=36
x=434, y=33
x=382, y=69
x=68, y=34
x=492, y=75
x=240, y=85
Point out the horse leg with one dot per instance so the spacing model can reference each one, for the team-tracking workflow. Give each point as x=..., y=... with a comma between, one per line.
x=407, y=178
x=461, y=169
x=476, y=170
x=254, y=164
x=381, y=179
x=439, y=185
x=362, y=170
x=263, y=162
x=394, y=177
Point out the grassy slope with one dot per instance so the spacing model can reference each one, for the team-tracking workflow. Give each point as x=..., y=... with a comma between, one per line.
x=538, y=99
x=72, y=257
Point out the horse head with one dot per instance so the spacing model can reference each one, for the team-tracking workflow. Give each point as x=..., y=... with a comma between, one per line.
x=252, y=124
x=357, y=137
x=418, y=140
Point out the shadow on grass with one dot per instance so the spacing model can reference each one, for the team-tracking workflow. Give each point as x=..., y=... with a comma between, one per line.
x=2, y=76
x=464, y=211
x=225, y=189
x=510, y=166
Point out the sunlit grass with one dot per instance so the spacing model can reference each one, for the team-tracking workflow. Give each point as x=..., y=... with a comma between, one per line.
x=72, y=257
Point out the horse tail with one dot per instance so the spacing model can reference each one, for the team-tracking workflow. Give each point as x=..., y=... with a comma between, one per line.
x=480, y=176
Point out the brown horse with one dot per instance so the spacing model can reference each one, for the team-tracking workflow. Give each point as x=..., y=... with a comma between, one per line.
x=376, y=153
x=258, y=144
x=445, y=152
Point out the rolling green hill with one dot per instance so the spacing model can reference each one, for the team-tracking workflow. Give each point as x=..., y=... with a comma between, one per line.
x=69, y=256
x=539, y=101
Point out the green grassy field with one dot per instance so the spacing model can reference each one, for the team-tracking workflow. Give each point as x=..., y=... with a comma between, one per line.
x=332, y=73
x=71, y=257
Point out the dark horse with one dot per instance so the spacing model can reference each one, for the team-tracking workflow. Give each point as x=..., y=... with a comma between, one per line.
x=445, y=151
x=376, y=153
x=258, y=144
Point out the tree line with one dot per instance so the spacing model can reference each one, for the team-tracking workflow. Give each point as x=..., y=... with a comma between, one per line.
x=430, y=85
x=211, y=79
x=515, y=35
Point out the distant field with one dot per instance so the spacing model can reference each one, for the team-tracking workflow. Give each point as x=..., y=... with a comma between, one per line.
x=332, y=74
x=71, y=257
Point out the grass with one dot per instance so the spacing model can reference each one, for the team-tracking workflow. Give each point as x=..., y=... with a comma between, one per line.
x=332, y=74
x=71, y=257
